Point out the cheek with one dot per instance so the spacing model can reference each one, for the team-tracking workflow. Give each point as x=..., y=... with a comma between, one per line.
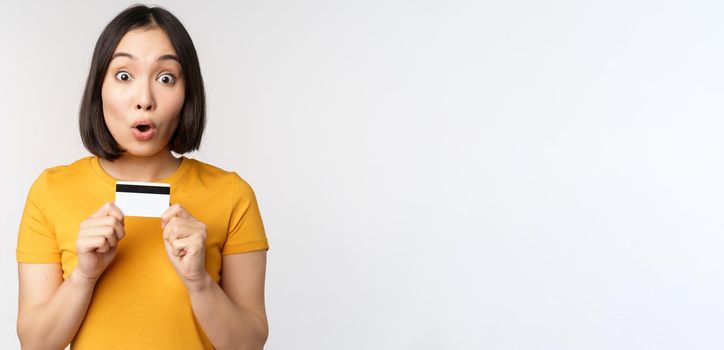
x=112, y=101
x=173, y=101
x=177, y=101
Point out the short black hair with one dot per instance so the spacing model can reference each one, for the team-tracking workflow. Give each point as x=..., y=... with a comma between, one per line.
x=93, y=129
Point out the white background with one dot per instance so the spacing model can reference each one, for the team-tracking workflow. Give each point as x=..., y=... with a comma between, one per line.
x=435, y=174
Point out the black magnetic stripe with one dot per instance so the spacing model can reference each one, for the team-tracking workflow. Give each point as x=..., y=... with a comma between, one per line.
x=143, y=189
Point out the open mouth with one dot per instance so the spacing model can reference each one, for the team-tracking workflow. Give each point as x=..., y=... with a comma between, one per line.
x=143, y=128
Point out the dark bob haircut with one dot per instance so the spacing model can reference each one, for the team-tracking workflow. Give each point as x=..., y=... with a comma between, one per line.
x=93, y=130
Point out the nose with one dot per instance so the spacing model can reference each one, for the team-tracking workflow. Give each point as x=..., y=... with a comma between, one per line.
x=145, y=99
x=146, y=107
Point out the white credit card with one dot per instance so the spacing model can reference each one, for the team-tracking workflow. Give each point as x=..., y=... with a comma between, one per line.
x=142, y=198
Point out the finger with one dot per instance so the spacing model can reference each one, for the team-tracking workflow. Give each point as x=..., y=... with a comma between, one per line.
x=177, y=230
x=99, y=221
x=104, y=248
x=105, y=221
x=117, y=225
x=96, y=244
x=102, y=221
x=109, y=209
x=107, y=232
x=176, y=221
x=177, y=247
x=87, y=244
x=187, y=246
x=118, y=229
x=117, y=213
x=170, y=212
x=102, y=211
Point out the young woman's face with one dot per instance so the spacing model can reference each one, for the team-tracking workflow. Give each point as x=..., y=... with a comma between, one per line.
x=143, y=85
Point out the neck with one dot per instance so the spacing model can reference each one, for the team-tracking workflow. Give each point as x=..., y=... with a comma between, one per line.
x=139, y=168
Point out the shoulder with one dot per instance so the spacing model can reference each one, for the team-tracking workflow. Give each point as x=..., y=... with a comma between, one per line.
x=62, y=173
x=217, y=176
x=54, y=182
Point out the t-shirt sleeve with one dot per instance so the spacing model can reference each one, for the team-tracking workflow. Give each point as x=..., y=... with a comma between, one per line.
x=36, y=236
x=246, y=230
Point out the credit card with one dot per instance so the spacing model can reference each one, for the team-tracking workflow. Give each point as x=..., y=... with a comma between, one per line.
x=148, y=199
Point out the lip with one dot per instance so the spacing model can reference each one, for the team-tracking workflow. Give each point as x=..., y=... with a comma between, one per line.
x=143, y=122
x=145, y=135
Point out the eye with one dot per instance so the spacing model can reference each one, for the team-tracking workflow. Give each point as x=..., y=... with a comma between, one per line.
x=123, y=76
x=167, y=78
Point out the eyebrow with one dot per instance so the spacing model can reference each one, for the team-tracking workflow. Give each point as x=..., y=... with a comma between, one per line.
x=162, y=58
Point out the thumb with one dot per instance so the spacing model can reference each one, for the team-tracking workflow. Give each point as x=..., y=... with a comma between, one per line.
x=169, y=249
x=102, y=211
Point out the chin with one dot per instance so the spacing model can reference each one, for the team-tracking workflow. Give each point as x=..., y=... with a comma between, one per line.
x=143, y=151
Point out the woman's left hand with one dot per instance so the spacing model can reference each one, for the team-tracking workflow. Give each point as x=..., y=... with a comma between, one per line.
x=185, y=241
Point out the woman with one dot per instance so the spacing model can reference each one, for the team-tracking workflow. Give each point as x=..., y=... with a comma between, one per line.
x=92, y=277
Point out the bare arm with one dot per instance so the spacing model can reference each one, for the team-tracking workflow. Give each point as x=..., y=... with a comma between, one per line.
x=50, y=310
x=233, y=315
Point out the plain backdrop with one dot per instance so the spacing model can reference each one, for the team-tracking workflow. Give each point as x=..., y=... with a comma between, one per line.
x=509, y=174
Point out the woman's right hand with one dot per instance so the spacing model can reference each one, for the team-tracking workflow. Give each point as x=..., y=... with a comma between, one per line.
x=98, y=240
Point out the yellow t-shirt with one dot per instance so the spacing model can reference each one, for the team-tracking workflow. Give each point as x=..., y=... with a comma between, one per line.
x=139, y=302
